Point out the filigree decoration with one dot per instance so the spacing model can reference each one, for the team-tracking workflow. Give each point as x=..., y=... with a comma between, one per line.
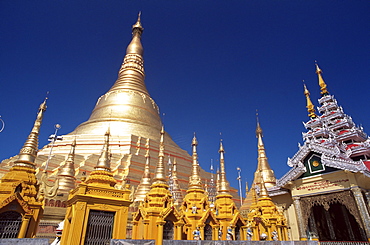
x=326, y=98
x=343, y=164
x=301, y=154
x=290, y=175
x=345, y=198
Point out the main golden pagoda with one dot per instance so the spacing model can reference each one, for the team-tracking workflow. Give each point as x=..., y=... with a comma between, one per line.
x=133, y=118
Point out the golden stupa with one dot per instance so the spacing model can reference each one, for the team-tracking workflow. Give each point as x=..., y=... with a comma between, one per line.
x=134, y=121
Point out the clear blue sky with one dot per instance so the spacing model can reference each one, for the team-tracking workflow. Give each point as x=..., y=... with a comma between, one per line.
x=209, y=66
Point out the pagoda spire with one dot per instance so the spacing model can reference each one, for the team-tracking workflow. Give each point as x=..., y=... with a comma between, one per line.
x=66, y=175
x=144, y=186
x=322, y=83
x=264, y=170
x=102, y=174
x=263, y=190
x=310, y=107
x=194, y=179
x=104, y=160
x=21, y=183
x=217, y=179
x=224, y=185
x=131, y=75
x=23, y=169
x=27, y=154
x=176, y=190
x=159, y=176
x=127, y=107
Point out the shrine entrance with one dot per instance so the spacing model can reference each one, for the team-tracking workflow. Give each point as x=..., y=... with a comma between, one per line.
x=10, y=223
x=334, y=224
x=332, y=217
x=99, y=227
x=168, y=230
x=207, y=232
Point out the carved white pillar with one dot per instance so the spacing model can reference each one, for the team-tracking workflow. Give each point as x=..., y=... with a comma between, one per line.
x=363, y=210
x=367, y=195
x=300, y=222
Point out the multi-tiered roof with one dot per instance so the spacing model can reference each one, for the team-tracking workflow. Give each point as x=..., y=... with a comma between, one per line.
x=332, y=134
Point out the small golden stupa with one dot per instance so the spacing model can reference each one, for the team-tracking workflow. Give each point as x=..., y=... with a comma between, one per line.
x=20, y=203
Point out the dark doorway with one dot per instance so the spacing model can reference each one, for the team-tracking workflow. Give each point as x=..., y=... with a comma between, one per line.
x=10, y=223
x=335, y=224
x=168, y=230
x=237, y=233
x=99, y=227
x=207, y=232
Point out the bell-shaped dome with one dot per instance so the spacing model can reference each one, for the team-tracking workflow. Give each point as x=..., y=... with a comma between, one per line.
x=127, y=107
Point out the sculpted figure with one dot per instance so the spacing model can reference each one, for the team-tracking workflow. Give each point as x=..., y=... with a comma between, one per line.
x=274, y=235
x=249, y=234
x=196, y=234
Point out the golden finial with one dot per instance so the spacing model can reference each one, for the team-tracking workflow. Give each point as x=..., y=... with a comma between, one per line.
x=27, y=154
x=194, y=141
x=263, y=167
x=194, y=179
x=138, y=23
x=258, y=129
x=310, y=107
x=322, y=84
x=221, y=150
x=224, y=185
x=135, y=46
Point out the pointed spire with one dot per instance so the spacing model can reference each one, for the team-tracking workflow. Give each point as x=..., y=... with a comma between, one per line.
x=259, y=132
x=263, y=190
x=310, y=107
x=218, y=179
x=29, y=150
x=159, y=177
x=104, y=160
x=66, y=175
x=224, y=185
x=23, y=171
x=322, y=84
x=131, y=75
x=68, y=168
x=263, y=166
x=176, y=190
x=194, y=179
x=135, y=46
x=102, y=174
x=144, y=186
